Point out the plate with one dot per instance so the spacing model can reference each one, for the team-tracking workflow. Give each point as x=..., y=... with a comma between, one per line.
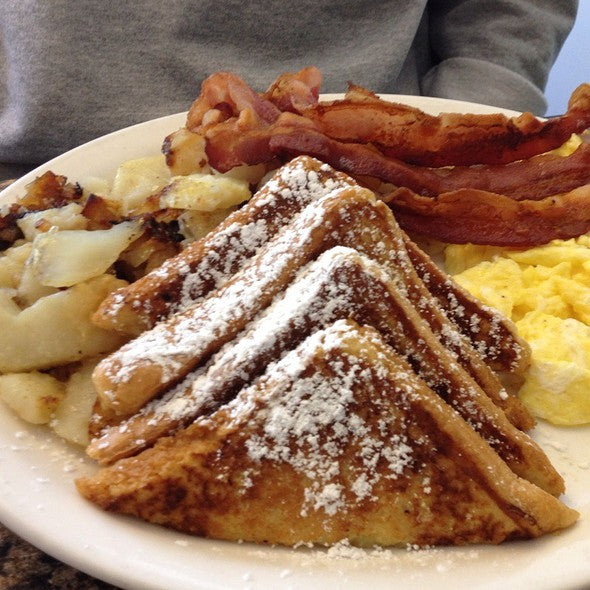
x=38, y=499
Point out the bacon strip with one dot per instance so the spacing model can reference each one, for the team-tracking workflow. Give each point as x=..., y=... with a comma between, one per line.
x=481, y=217
x=354, y=158
x=449, y=139
x=534, y=178
x=238, y=124
x=477, y=178
x=225, y=95
x=246, y=140
x=295, y=92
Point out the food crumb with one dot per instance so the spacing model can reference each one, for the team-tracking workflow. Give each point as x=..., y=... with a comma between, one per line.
x=181, y=542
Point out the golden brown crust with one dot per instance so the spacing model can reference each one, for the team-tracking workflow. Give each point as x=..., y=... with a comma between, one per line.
x=489, y=330
x=219, y=477
x=341, y=284
x=492, y=335
x=350, y=216
x=156, y=359
x=272, y=404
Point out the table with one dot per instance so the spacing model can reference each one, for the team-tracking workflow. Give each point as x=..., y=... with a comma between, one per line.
x=23, y=566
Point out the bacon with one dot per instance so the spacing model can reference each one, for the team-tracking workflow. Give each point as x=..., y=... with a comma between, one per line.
x=481, y=217
x=479, y=178
x=295, y=92
x=237, y=122
x=246, y=140
x=357, y=93
x=534, y=178
x=448, y=139
x=354, y=158
x=229, y=111
x=225, y=95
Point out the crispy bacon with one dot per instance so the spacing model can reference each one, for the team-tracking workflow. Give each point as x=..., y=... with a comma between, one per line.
x=448, y=139
x=534, y=178
x=479, y=178
x=225, y=95
x=246, y=140
x=228, y=108
x=354, y=158
x=481, y=217
x=295, y=92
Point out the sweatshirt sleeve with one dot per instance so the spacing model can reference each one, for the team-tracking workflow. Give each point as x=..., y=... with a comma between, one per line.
x=496, y=52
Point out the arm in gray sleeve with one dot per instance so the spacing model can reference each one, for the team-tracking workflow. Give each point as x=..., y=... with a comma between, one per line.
x=496, y=52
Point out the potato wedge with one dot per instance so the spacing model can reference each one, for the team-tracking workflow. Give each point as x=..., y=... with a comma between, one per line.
x=56, y=329
x=204, y=192
x=66, y=217
x=12, y=264
x=72, y=415
x=65, y=258
x=30, y=289
x=185, y=153
x=137, y=179
x=252, y=174
x=196, y=224
x=33, y=396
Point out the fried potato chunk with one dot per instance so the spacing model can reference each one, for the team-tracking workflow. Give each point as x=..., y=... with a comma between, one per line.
x=71, y=417
x=56, y=329
x=32, y=396
x=65, y=258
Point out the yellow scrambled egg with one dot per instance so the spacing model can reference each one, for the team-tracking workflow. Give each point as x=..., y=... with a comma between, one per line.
x=546, y=291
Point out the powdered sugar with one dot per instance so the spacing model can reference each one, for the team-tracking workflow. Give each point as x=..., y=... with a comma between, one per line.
x=185, y=338
x=313, y=422
x=209, y=264
x=313, y=299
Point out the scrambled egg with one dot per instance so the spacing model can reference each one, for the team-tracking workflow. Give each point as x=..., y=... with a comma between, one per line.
x=546, y=291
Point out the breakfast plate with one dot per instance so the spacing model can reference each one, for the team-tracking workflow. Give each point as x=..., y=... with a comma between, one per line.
x=39, y=502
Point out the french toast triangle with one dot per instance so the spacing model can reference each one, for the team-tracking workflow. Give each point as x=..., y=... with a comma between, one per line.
x=306, y=374
x=346, y=216
x=340, y=284
x=339, y=439
x=208, y=263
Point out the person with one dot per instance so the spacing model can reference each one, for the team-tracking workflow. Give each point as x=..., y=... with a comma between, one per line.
x=73, y=70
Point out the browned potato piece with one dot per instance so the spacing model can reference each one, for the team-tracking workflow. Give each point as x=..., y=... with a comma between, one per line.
x=32, y=396
x=56, y=329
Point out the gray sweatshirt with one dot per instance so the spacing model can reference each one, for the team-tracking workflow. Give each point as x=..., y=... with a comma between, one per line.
x=72, y=70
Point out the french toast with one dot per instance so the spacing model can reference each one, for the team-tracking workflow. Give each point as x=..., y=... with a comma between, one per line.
x=339, y=439
x=209, y=262
x=340, y=284
x=349, y=216
x=336, y=321
x=496, y=340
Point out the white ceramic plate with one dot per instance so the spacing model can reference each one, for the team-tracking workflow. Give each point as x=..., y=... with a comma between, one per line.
x=39, y=502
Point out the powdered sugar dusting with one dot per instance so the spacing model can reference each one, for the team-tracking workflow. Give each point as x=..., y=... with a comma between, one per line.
x=313, y=426
x=185, y=279
x=184, y=338
x=313, y=299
